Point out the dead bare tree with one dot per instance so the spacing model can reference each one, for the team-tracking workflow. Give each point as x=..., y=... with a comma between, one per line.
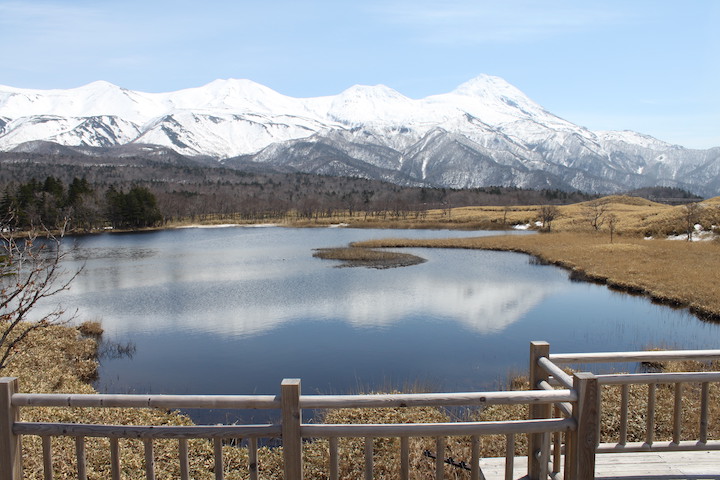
x=547, y=214
x=30, y=272
x=691, y=216
x=594, y=212
x=612, y=221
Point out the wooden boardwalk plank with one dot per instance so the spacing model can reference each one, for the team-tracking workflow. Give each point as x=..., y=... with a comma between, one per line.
x=630, y=466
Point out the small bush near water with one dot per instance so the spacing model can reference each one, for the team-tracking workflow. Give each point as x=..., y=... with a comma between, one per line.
x=91, y=329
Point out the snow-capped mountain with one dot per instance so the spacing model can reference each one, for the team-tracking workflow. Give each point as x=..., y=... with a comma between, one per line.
x=485, y=132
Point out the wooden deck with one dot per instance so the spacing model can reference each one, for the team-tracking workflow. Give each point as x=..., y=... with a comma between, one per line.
x=630, y=466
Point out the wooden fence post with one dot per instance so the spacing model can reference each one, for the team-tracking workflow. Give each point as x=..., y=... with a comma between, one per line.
x=291, y=435
x=582, y=443
x=537, y=374
x=10, y=449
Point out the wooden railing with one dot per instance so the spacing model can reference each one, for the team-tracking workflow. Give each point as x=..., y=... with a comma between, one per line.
x=546, y=370
x=562, y=429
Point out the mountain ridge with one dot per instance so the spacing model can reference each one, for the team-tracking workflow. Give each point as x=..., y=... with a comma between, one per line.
x=485, y=130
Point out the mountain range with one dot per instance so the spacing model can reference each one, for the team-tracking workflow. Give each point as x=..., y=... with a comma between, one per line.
x=486, y=132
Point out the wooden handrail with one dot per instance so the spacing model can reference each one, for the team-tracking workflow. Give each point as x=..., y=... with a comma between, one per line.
x=557, y=373
x=146, y=401
x=513, y=397
x=671, y=377
x=647, y=356
x=155, y=431
x=306, y=401
x=311, y=430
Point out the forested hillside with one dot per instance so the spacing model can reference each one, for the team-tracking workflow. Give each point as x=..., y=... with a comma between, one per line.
x=97, y=192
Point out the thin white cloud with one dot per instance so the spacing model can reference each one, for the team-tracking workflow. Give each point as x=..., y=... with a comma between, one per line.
x=481, y=22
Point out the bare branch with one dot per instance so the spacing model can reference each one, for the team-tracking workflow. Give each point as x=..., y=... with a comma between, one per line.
x=30, y=273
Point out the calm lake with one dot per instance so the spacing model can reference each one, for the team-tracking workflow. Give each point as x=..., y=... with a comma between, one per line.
x=236, y=310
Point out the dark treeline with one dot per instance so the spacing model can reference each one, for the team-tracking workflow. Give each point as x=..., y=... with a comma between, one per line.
x=126, y=195
x=78, y=206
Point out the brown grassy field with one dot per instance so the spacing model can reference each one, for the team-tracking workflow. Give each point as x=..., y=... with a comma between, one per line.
x=632, y=216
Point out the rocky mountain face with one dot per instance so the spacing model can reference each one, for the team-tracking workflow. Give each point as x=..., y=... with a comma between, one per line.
x=484, y=133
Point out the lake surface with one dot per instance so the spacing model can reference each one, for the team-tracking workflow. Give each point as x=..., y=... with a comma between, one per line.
x=236, y=310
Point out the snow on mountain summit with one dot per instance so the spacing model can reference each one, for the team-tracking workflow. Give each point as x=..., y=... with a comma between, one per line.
x=233, y=95
x=371, y=104
x=487, y=86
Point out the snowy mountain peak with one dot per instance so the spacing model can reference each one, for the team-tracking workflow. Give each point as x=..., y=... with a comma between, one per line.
x=237, y=95
x=374, y=92
x=487, y=86
x=98, y=85
x=237, y=87
x=371, y=104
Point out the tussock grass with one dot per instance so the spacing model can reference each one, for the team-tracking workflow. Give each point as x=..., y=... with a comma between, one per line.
x=91, y=328
x=367, y=257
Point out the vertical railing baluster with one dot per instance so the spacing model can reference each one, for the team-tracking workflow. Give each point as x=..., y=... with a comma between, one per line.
x=10, y=447
x=650, y=425
x=183, y=454
x=115, y=458
x=475, y=458
x=47, y=458
x=368, y=458
x=334, y=459
x=509, y=456
x=544, y=457
x=557, y=445
x=624, y=402
x=253, y=458
x=582, y=442
x=149, y=459
x=440, y=458
x=80, y=456
x=537, y=411
x=704, y=404
x=290, y=389
x=404, y=458
x=217, y=447
x=677, y=413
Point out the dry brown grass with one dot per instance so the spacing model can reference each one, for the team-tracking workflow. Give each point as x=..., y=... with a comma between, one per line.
x=634, y=216
x=91, y=328
x=57, y=360
x=367, y=257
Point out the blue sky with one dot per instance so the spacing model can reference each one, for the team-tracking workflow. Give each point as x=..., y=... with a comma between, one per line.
x=649, y=66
